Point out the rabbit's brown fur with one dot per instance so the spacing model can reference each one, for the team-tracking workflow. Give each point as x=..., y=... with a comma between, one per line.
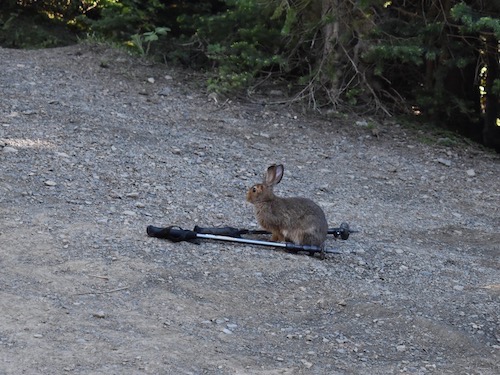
x=298, y=220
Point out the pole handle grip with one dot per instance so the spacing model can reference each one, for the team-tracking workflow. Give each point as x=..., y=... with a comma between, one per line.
x=308, y=248
x=174, y=234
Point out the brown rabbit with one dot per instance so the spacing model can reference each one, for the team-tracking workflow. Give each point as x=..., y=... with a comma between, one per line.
x=297, y=220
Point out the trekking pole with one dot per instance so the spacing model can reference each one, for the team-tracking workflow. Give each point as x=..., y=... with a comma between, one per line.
x=176, y=234
x=343, y=231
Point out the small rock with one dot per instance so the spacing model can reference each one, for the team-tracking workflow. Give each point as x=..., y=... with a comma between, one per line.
x=443, y=161
x=99, y=314
x=50, y=183
x=166, y=91
x=9, y=150
x=37, y=336
x=306, y=364
x=227, y=331
x=114, y=194
x=471, y=173
x=151, y=80
x=401, y=348
x=129, y=213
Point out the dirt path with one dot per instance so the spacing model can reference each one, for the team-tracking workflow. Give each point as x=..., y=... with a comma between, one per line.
x=95, y=147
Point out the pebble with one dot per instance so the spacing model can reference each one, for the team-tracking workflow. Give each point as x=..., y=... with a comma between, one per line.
x=129, y=213
x=471, y=172
x=9, y=150
x=99, y=314
x=401, y=348
x=166, y=91
x=443, y=161
x=50, y=183
x=306, y=364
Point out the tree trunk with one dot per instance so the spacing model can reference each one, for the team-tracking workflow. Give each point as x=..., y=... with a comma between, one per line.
x=491, y=130
x=334, y=59
x=329, y=58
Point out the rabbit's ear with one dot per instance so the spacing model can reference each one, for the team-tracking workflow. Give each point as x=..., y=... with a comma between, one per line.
x=274, y=174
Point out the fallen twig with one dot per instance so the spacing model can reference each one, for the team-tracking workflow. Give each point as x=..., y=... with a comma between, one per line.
x=100, y=277
x=101, y=292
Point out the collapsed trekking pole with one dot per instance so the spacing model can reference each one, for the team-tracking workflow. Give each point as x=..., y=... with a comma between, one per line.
x=176, y=234
x=343, y=231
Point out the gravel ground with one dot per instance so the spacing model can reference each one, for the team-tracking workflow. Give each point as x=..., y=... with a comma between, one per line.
x=95, y=146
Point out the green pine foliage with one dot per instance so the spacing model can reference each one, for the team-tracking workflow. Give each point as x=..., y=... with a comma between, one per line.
x=242, y=42
x=119, y=20
x=38, y=24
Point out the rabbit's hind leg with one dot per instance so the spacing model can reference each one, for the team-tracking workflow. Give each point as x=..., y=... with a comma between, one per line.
x=277, y=236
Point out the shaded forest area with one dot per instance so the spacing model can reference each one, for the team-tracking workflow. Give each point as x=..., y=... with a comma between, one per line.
x=437, y=61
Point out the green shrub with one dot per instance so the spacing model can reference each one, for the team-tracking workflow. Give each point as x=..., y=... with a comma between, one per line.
x=242, y=42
